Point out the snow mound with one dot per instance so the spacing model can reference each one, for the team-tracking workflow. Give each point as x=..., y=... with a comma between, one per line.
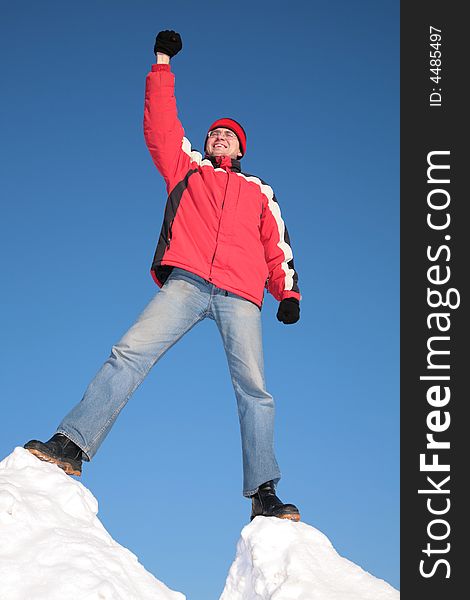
x=283, y=560
x=53, y=546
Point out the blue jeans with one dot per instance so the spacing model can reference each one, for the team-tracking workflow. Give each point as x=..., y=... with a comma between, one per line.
x=185, y=300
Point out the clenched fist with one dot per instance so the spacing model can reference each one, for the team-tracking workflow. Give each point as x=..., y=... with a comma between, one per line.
x=168, y=42
x=288, y=311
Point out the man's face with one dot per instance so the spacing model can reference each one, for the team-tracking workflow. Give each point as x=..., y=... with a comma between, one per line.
x=223, y=142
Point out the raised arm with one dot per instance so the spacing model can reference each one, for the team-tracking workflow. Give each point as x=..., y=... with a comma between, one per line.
x=162, y=129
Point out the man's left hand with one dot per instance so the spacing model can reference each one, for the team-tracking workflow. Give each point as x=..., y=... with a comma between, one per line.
x=288, y=311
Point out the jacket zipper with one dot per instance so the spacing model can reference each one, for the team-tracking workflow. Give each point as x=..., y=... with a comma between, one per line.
x=218, y=229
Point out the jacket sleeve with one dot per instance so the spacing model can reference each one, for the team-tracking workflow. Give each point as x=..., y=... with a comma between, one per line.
x=283, y=278
x=170, y=150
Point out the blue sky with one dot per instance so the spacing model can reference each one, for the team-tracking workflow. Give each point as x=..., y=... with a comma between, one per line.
x=316, y=86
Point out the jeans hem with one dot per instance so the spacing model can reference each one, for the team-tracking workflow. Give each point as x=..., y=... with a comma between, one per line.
x=250, y=493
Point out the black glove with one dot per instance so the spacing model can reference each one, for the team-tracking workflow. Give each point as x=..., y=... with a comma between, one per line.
x=288, y=311
x=168, y=42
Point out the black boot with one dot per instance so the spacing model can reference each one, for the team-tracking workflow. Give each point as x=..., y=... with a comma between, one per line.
x=58, y=450
x=265, y=503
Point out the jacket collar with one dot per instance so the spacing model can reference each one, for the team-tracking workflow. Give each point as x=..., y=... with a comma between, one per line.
x=224, y=162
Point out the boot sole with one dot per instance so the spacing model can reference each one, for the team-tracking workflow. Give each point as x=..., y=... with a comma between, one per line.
x=294, y=517
x=290, y=517
x=69, y=468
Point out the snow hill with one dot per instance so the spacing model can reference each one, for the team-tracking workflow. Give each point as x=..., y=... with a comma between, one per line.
x=53, y=546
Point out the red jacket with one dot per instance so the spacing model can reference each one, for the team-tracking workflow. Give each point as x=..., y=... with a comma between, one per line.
x=219, y=223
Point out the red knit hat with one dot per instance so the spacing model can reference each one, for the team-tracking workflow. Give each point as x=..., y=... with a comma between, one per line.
x=233, y=126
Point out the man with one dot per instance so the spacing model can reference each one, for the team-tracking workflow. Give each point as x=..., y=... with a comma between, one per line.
x=222, y=242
